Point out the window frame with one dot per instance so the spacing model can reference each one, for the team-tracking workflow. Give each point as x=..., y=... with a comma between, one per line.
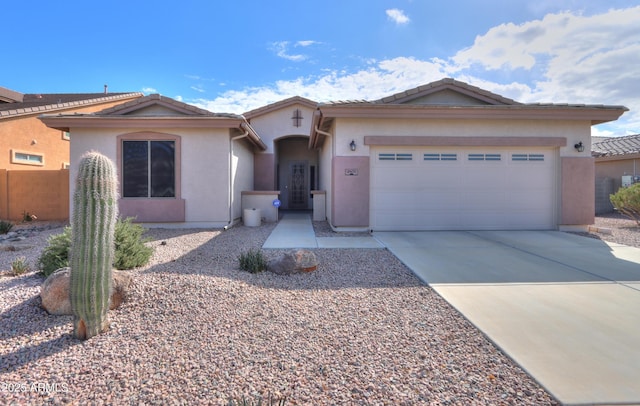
x=150, y=137
x=20, y=161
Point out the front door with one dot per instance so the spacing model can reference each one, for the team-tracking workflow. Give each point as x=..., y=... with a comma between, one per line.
x=298, y=186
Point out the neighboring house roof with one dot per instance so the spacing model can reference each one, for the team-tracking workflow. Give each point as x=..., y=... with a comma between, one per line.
x=9, y=96
x=614, y=146
x=154, y=111
x=280, y=105
x=452, y=99
x=29, y=104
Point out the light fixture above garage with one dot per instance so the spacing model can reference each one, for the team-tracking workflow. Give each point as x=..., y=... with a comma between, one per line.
x=579, y=147
x=353, y=145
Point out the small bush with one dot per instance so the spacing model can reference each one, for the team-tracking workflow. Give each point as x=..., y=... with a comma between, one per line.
x=252, y=261
x=27, y=217
x=627, y=201
x=130, y=250
x=56, y=254
x=19, y=266
x=5, y=226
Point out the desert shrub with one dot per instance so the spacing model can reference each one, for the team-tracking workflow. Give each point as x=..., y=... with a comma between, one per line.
x=252, y=261
x=627, y=201
x=19, y=266
x=131, y=251
x=56, y=254
x=5, y=226
x=130, y=248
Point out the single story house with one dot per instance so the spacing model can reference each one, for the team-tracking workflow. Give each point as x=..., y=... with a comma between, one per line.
x=617, y=161
x=444, y=156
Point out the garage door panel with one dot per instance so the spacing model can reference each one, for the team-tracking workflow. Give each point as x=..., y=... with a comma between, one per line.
x=516, y=191
x=405, y=221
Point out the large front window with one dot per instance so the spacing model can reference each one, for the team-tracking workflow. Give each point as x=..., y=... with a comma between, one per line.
x=148, y=169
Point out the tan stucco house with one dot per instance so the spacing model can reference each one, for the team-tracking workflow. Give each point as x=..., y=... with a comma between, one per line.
x=31, y=145
x=444, y=156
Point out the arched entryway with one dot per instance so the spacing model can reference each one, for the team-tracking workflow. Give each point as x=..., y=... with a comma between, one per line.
x=296, y=172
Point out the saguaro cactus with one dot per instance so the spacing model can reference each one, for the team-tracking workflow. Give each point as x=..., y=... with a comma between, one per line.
x=92, y=244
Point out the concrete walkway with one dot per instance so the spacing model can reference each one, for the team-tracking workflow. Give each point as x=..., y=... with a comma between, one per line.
x=564, y=307
x=295, y=230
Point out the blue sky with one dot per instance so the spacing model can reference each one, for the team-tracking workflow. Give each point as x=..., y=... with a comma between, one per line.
x=233, y=56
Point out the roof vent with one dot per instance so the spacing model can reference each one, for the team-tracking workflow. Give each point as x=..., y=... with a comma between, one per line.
x=106, y=87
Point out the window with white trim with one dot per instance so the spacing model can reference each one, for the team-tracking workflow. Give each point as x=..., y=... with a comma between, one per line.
x=527, y=157
x=148, y=168
x=395, y=157
x=440, y=157
x=27, y=158
x=484, y=157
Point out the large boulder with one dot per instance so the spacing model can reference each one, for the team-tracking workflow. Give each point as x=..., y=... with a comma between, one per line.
x=54, y=292
x=294, y=262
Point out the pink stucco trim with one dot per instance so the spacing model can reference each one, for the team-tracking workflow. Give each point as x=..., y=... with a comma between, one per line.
x=350, y=202
x=578, y=191
x=153, y=209
x=264, y=176
x=427, y=141
x=161, y=210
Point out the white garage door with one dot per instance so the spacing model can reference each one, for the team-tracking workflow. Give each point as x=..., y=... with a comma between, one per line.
x=463, y=188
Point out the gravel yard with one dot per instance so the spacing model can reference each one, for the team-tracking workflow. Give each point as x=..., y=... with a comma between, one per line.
x=359, y=330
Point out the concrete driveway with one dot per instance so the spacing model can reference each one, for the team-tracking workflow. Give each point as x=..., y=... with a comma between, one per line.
x=564, y=307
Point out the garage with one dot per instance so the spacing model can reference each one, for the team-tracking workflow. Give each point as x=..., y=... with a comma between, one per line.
x=463, y=188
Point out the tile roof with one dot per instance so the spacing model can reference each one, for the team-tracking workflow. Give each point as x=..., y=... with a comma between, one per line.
x=46, y=102
x=280, y=104
x=447, y=83
x=629, y=144
x=152, y=99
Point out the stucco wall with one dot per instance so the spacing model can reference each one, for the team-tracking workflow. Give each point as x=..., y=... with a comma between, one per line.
x=348, y=129
x=204, y=172
x=242, y=178
x=278, y=123
x=264, y=172
x=578, y=191
x=615, y=169
x=351, y=177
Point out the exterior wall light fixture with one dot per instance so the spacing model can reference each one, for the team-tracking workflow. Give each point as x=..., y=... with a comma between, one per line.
x=353, y=145
x=579, y=147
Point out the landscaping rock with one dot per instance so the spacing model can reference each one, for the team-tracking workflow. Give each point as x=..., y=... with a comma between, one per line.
x=294, y=262
x=54, y=292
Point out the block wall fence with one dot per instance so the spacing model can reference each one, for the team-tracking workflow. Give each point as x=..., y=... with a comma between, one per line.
x=42, y=193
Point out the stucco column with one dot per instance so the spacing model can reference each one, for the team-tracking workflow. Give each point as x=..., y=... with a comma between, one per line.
x=578, y=191
x=350, y=203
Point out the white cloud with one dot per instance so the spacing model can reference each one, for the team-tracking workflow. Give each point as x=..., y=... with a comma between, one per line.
x=397, y=16
x=577, y=59
x=149, y=90
x=379, y=79
x=198, y=89
x=561, y=58
x=306, y=43
x=281, y=49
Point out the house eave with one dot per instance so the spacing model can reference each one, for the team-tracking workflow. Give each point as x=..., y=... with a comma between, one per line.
x=617, y=157
x=593, y=114
x=65, y=122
